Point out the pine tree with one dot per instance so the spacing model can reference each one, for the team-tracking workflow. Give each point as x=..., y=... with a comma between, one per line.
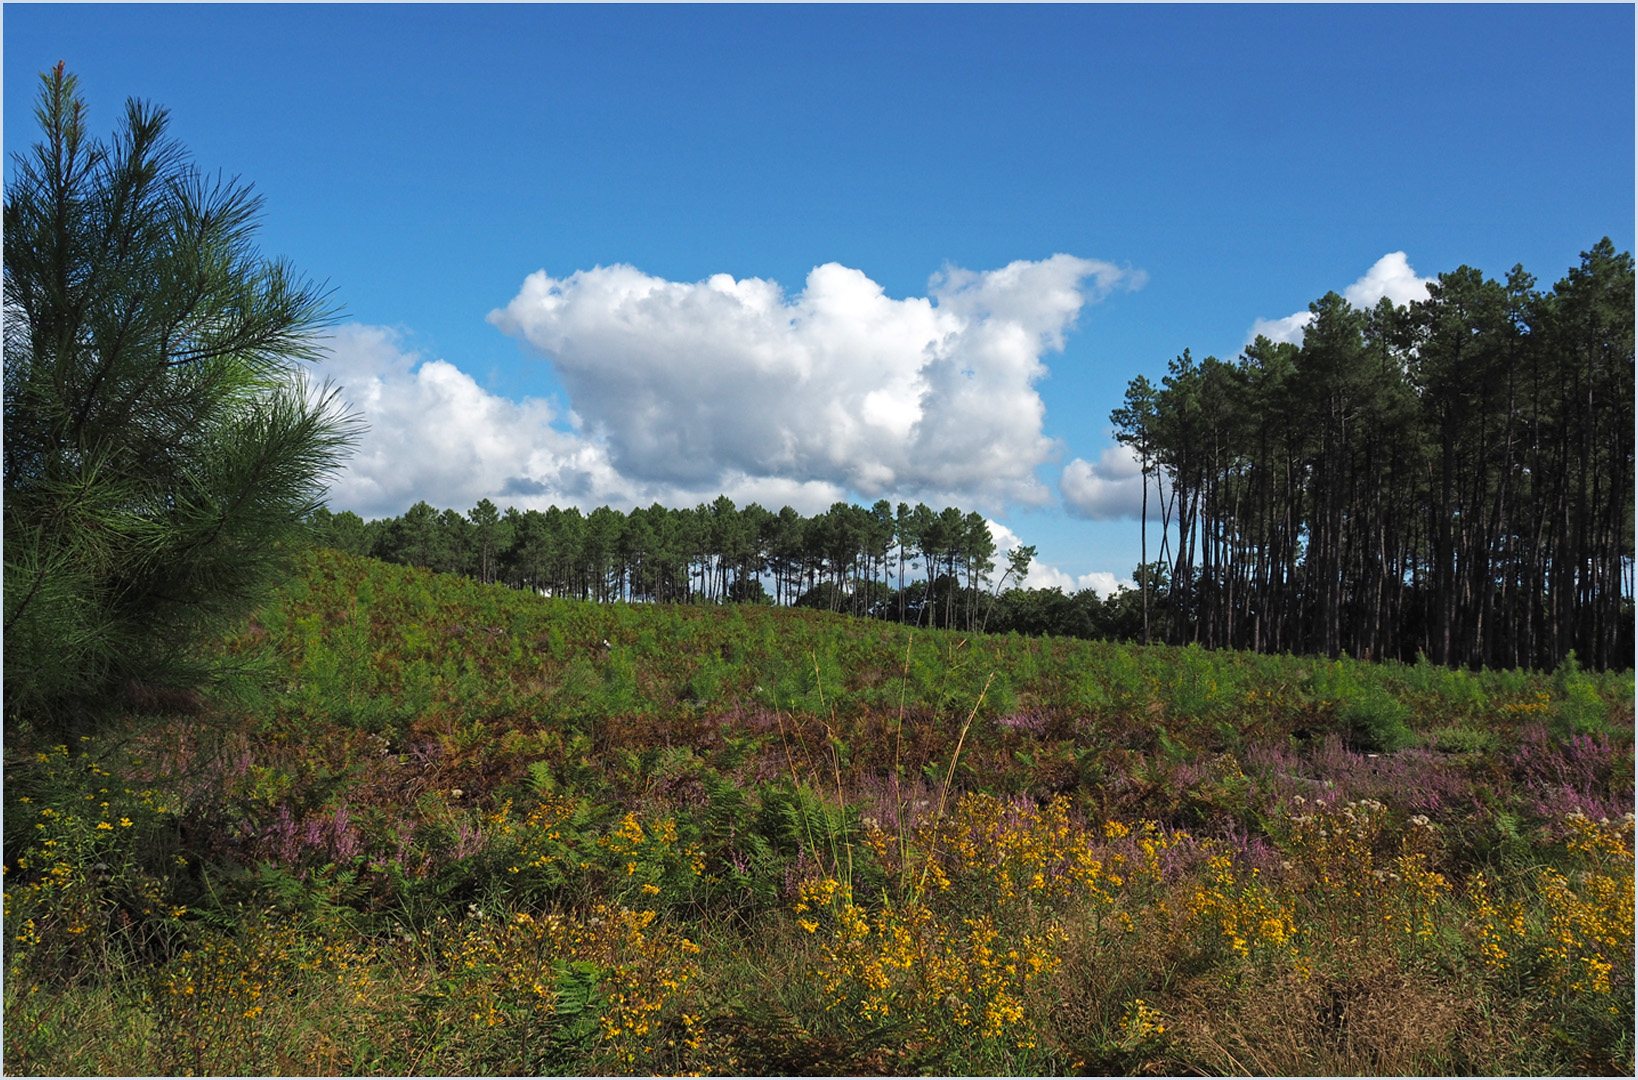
x=161, y=447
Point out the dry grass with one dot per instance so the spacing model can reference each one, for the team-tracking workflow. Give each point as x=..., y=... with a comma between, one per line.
x=1378, y=1022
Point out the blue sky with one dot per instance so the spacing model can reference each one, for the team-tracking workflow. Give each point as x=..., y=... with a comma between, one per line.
x=675, y=175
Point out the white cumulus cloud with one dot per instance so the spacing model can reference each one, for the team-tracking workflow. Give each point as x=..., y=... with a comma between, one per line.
x=1288, y=329
x=431, y=432
x=711, y=384
x=1391, y=276
x=1044, y=576
x=1110, y=488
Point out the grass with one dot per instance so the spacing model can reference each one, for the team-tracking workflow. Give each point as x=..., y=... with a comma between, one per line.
x=443, y=828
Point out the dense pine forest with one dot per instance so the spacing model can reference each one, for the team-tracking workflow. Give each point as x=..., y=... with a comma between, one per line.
x=1454, y=477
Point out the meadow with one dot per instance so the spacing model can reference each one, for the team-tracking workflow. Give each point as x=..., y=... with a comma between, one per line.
x=438, y=827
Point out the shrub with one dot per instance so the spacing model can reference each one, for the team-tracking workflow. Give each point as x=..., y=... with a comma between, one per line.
x=1375, y=721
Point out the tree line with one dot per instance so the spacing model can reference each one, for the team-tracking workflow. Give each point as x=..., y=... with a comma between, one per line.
x=1452, y=477
x=906, y=563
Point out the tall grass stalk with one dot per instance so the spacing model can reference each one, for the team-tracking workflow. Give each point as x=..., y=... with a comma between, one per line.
x=836, y=766
x=949, y=778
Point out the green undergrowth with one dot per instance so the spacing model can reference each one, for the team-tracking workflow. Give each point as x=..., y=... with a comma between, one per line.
x=386, y=649
x=438, y=827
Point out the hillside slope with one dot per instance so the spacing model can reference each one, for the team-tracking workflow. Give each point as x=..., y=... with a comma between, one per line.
x=483, y=831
